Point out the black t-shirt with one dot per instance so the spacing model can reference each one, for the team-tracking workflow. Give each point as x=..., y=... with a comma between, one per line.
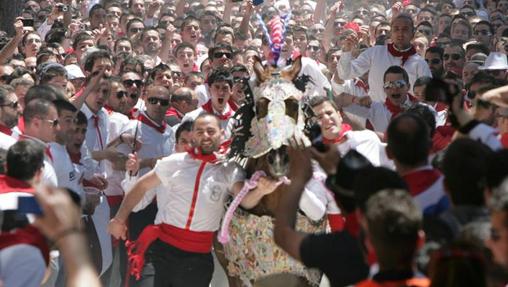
x=338, y=255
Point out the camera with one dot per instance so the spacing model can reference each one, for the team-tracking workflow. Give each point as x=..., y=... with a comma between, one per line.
x=316, y=138
x=28, y=22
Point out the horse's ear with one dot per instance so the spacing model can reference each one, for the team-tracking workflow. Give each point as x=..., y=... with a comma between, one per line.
x=295, y=69
x=259, y=70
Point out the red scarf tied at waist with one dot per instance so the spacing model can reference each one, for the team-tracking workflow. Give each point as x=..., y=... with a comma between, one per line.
x=405, y=55
x=187, y=240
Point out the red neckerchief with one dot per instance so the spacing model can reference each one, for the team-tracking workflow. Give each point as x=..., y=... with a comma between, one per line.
x=362, y=85
x=108, y=109
x=172, y=112
x=160, y=128
x=196, y=154
x=405, y=55
x=21, y=124
x=26, y=235
x=5, y=130
x=442, y=138
x=233, y=105
x=223, y=117
x=504, y=140
x=420, y=180
x=395, y=110
x=132, y=113
x=342, y=135
x=10, y=184
x=439, y=107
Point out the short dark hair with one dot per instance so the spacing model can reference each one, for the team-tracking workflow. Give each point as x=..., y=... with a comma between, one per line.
x=36, y=107
x=183, y=127
x=63, y=105
x=394, y=222
x=219, y=75
x=95, y=8
x=94, y=56
x=45, y=92
x=318, y=100
x=188, y=20
x=81, y=118
x=424, y=112
x=406, y=17
x=47, y=71
x=497, y=168
x=435, y=50
x=79, y=38
x=24, y=159
x=132, y=21
x=422, y=81
x=408, y=139
x=465, y=170
x=397, y=70
x=4, y=92
x=184, y=45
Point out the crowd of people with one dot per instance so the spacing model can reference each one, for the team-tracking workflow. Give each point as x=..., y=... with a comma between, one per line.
x=116, y=119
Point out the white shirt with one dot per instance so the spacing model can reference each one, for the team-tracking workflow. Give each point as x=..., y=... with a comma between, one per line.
x=178, y=174
x=48, y=172
x=376, y=60
x=6, y=141
x=96, y=138
x=154, y=143
x=67, y=174
x=317, y=200
x=378, y=114
x=117, y=122
x=368, y=144
x=202, y=94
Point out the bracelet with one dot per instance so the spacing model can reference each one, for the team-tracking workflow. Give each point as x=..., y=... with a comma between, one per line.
x=65, y=233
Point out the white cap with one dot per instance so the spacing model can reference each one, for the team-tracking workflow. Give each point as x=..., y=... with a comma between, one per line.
x=74, y=72
x=495, y=61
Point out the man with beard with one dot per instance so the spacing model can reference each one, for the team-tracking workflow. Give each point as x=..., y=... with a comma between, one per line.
x=193, y=187
x=10, y=111
x=454, y=59
x=150, y=38
x=434, y=58
x=396, y=87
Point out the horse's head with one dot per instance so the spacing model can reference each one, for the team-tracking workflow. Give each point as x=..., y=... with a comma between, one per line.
x=278, y=115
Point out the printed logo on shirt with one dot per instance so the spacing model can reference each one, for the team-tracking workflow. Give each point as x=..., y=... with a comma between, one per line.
x=215, y=191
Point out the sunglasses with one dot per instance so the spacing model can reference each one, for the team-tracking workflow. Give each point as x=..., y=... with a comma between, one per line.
x=122, y=94
x=130, y=83
x=454, y=57
x=425, y=32
x=395, y=84
x=218, y=55
x=13, y=105
x=340, y=24
x=176, y=74
x=155, y=101
x=433, y=61
x=240, y=79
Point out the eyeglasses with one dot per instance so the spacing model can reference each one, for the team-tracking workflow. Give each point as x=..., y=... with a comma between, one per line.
x=176, y=74
x=13, y=105
x=218, y=55
x=240, y=79
x=433, y=61
x=313, y=48
x=454, y=57
x=121, y=94
x=130, y=83
x=395, y=84
x=482, y=32
x=155, y=101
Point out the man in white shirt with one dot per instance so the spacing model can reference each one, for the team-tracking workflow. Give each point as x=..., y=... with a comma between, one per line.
x=41, y=125
x=334, y=131
x=194, y=187
x=10, y=110
x=379, y=114
x=65, y=170
x=220, y=83
x=377, y=59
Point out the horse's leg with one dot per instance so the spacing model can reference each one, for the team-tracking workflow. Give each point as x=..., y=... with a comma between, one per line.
x=223, y=261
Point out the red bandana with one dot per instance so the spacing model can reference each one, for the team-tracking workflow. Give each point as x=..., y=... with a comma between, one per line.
x=109, y=109
x=420, y=180
x=343, y=130
x=132, y=114
x=196, y=154
x=394, y=109
x=405, y=55
x=160, y=128
x=9, y=184
x=5, y=130
x=362, y=85
x=172, y=112
x=224, y=117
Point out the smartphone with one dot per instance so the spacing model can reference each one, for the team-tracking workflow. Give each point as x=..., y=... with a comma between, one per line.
x=257, y=2
x=28, y=22
x=29, y=205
